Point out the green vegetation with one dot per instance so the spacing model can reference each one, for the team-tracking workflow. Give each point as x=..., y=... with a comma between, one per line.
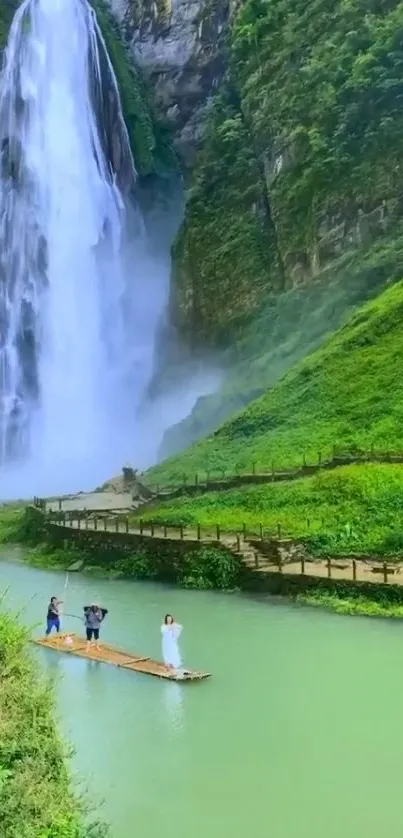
x=285, y=330
x=203, y=567
x=301, y=161
x=150, y=144
x=211, y=255
x=346, y=396
x=11, y=520
x=359, y=606
x=36, y=800
x=351, y=509
x=7, y=11
x=295, y=195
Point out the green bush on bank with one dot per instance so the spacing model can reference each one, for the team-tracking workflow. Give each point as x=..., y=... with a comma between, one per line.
x=36, y=800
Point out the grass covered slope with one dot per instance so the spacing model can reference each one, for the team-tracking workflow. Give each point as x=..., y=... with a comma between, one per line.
x=350, y=509
x=36, y=800
x=346, y=395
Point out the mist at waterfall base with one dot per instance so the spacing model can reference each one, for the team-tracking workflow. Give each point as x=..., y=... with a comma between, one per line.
x=82, y=286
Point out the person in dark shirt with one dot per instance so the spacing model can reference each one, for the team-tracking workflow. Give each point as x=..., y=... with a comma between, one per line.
x=53, y=615
x=93, y=617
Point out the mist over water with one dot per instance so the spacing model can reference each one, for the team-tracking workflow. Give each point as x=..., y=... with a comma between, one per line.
x=82, y=291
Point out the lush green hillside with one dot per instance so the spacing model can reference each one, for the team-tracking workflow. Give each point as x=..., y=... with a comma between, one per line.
x=353, y=508
x=36, y=800
x=347, y=395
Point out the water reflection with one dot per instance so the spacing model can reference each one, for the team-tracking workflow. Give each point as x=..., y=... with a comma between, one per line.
x=172, y=698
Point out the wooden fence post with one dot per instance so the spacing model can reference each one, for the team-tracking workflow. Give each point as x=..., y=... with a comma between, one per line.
x=141, y=526
x=95, y=522
x=279, y=530
x=105, y=523
x=165, y=530
x=385, y=572
x=127, y=524
x=329, y=569
x=261, y=531
x=117, y=523
x=152, y=529
x=218, y=532
x=302, y=565
x=181, y=531
x=60, y=504
x=238, y=544
x=354, y=570
x=198, y=532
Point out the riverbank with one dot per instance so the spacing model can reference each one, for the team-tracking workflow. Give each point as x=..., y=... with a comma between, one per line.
x=115, y=555
x=36, y=797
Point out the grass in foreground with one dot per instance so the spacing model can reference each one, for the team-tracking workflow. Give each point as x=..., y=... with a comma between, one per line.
x=11, y=518
x=347, y=395
x=36, y=800
x=351, y=509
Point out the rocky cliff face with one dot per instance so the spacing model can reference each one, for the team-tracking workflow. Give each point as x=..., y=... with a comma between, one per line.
x=301, y=163
x=179, y=47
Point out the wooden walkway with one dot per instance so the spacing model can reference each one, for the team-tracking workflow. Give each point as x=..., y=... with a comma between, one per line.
x=73, y=644
x=254, y=558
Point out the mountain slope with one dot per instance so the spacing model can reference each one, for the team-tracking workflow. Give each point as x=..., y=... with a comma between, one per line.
x=346, y=395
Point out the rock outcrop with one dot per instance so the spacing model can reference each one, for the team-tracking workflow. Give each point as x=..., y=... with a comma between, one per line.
x=179, y=47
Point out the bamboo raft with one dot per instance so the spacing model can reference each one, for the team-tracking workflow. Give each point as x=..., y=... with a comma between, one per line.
x=116, y=657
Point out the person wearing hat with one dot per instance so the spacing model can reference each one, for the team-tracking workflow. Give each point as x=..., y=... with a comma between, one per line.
x=93, y=617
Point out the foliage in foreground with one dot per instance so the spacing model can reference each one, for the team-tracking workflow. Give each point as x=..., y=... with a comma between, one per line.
x=35, y=794
x=346, y=395
x=351, y=509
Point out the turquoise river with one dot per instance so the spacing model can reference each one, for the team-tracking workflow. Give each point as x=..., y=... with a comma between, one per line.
x=298, y=734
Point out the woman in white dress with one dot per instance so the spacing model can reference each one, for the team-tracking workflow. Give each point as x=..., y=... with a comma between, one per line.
x=171, y=631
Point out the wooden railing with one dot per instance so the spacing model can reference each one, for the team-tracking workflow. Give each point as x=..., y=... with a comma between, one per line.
x=211, y=479
x=353, y=569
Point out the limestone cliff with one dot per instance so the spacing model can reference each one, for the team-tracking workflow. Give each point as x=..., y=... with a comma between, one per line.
x=301, y=163
x=179, y=48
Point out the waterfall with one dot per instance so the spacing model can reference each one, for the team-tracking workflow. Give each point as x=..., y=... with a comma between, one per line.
x=80, y=293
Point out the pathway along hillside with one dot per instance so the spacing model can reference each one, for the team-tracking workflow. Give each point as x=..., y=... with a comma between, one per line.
x=201, y=484
x=260, y=555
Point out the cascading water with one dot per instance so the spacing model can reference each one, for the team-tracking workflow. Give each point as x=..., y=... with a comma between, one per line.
x=80, y=295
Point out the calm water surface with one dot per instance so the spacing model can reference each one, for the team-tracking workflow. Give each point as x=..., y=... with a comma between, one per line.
x=297, y=735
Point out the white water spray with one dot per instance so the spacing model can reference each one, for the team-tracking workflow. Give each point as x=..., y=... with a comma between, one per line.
x=80, y=297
